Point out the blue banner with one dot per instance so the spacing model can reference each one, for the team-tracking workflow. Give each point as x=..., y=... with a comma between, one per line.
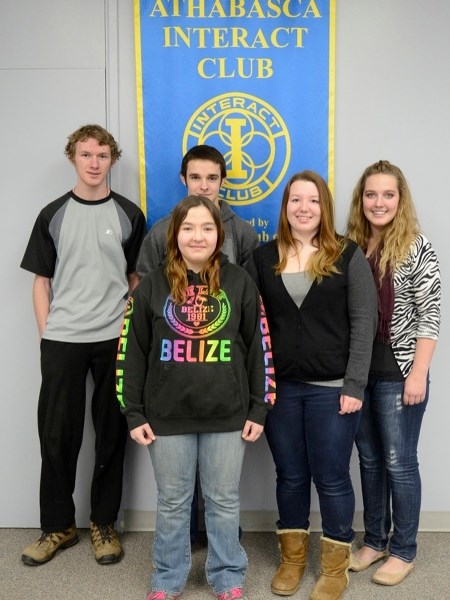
x=254, y=78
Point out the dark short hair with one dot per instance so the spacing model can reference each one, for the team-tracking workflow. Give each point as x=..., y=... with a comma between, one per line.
x=204, y=152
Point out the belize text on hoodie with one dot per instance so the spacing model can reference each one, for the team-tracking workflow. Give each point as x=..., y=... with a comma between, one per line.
x=203, y=366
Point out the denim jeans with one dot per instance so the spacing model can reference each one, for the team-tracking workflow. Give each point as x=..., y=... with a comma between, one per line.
x=308, y=439
x=219, y=457
x=387, y=441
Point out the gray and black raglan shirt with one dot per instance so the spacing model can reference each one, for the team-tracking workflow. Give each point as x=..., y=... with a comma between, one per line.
x=86, y=248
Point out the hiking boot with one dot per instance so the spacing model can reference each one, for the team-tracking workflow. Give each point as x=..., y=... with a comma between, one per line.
x=45, y=548
x=107, y=546
x=234, y=593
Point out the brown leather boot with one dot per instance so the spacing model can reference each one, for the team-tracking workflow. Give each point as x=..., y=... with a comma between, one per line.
x=335, y=560
x=106, y=544
x=293, y=545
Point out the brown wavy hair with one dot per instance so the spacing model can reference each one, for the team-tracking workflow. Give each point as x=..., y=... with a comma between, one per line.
x=99, y=133
x=398, y=235
x=176, y=270
x=329, y=244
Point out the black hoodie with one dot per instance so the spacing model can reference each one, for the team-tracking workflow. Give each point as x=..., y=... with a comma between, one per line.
x=204, y=366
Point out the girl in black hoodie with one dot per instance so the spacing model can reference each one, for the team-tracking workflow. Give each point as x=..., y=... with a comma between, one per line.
x=195, y=381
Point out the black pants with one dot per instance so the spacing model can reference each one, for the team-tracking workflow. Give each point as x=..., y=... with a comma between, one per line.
x=61, y=413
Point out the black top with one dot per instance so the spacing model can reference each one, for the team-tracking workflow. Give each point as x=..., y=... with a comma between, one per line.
x=330, y=335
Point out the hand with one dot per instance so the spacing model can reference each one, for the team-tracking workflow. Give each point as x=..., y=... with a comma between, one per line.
x=252, y=431
x=143, y=435
x=415, y=389
x=349, y=404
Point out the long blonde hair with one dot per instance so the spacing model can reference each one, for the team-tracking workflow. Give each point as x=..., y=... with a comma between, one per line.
x=398, y=235
x=330, y=245
x=176, y=270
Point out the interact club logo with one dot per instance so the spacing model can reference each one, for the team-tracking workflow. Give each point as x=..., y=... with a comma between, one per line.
x=252, y=137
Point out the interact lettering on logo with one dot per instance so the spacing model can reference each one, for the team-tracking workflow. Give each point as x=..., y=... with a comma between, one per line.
x=251, y=135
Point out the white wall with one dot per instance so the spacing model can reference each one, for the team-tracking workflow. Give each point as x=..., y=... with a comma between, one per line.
x=65, y=63
x=393, y=101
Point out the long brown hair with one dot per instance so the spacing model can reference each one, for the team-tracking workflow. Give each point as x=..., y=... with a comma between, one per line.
x=397, y=236
x=176, y=270
x=328, y=242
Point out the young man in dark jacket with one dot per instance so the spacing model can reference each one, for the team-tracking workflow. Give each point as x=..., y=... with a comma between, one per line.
x=203, y=172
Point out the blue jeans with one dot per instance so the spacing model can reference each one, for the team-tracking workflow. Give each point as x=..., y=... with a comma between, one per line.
x=309, y=439
x=219, y=457
x=387, y=441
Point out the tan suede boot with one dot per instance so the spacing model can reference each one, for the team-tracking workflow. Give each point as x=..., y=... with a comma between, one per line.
x=335, y=560
x=293, y=545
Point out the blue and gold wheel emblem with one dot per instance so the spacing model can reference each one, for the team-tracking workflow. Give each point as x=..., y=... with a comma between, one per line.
x=253, y=138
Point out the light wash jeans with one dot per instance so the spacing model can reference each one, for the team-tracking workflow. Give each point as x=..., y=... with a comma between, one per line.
x=387, y=440
x=219, y=457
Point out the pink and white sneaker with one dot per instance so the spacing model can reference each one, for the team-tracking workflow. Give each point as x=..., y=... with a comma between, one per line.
x=162, y=596
x=233, y=594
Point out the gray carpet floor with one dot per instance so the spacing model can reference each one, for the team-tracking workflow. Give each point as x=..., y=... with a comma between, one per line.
x=74, y=575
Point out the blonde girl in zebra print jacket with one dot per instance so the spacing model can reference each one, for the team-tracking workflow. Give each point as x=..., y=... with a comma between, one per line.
x=383, y=222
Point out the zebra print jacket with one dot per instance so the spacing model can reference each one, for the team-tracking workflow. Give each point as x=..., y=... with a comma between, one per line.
x=417, y=312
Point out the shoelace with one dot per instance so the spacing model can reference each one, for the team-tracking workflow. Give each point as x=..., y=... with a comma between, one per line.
x=50, y=537
x=231, y=594
x=105, y=533
x=44, y=537
x=157, y=596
